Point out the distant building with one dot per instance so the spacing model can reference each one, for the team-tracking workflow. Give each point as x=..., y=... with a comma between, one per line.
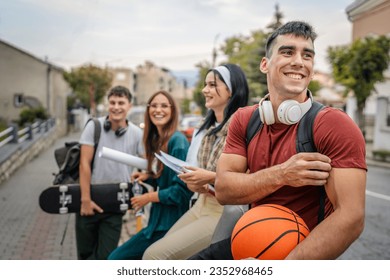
x=28, y=81
x=330, y=93
x=146, y=80
x=151, y=78
x=372, y=18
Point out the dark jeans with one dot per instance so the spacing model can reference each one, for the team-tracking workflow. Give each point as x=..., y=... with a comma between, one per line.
x=97, y=236
x=216, y=251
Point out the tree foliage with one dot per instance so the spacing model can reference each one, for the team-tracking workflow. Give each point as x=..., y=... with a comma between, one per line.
x=199, y=99
x=247, y=52
x=360, y=66
x=30, y=115
x=87, y=81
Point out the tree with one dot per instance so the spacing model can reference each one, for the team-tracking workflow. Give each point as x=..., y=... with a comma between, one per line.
x=90, y=84
x=199, y=99
x=314, y=86
x=359, y=67
x=247, y=51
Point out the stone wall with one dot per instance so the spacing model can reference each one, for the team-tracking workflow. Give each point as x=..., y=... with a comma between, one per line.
x=13, y=156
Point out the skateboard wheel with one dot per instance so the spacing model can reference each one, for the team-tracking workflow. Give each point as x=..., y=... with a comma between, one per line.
x=123, y=186
x=63, y=210
x=124, y=207
x=63, y=188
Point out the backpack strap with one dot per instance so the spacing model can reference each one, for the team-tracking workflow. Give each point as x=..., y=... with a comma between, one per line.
x=305, y=143
x=304, y=140
x=96, y=137
x=98, y=129
x=254, y=125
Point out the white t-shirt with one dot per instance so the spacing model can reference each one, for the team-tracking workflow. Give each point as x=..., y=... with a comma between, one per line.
x=109, y=171
x=192, y=155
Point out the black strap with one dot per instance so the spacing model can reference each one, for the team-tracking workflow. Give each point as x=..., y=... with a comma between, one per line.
x=304, y=141
x=254, y=126
x=96, y=137
x=305, y=138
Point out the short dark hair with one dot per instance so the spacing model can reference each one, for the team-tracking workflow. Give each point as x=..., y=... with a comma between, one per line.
x=297, y=28
x=120, y=91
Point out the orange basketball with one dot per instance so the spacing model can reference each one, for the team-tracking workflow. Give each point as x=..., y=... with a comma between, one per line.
x=267, y=232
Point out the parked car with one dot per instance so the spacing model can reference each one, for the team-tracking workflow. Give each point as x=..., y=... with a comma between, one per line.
x=188, y=124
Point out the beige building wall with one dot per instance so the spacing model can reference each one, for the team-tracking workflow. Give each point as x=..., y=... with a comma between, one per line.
x=372, y=17
x=146, y=80
x=369, y=18
x=25, y=77
x=151, y=78
x=121, y=76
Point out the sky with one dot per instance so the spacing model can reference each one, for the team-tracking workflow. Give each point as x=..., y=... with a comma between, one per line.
x=175, y=34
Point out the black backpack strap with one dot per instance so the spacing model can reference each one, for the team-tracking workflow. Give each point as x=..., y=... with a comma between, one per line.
x=96, y=137
x=98, y=129
x=305, y=143
x=254, y=125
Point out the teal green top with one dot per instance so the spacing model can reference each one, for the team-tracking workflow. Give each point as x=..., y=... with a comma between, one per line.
x=173, y=193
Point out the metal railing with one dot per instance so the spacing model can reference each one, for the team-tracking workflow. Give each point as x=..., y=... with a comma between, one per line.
x=12, y=134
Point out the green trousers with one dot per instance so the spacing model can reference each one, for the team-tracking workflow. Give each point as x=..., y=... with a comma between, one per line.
x=97, y=236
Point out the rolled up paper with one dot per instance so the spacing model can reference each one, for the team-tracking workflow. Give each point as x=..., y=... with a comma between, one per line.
x=121, y=157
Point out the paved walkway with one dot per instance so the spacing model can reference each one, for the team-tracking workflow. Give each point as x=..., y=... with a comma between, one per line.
x=29, y=233
x=26, y=231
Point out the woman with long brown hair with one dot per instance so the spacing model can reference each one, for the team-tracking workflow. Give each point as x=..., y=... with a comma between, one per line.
x=170, y=198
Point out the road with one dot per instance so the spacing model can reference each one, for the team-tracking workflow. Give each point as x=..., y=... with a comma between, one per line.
x=28, y=233
x=374, y=243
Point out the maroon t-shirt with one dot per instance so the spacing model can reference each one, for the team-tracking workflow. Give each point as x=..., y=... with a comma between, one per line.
x=335, y=135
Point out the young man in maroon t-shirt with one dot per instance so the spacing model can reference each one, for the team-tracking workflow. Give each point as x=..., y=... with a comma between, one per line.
x=269, y=170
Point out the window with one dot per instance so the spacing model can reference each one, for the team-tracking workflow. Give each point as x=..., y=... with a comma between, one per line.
x=18, y=100
x=120, y=76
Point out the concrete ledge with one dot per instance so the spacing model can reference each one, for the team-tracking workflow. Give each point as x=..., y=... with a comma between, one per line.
x=13, y=156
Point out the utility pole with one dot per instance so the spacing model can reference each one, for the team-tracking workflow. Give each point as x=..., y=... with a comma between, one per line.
x=214, y=54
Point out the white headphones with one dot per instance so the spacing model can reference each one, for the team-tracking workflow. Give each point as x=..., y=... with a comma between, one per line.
x=289, y=112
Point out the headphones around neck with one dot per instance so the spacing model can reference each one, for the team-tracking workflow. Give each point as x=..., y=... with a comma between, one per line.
x=289, y=111
x=119, y=132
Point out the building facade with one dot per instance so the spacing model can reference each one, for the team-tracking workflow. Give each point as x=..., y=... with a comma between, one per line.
x=29, y=82
x=150, y=78
x=146, y=80
x=372, y=18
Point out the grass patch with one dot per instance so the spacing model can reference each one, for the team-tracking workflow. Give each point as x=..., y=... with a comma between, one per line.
x=382, y=155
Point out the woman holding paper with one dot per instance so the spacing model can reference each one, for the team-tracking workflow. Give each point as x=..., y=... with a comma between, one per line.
x=171, y=197
x=225, y=91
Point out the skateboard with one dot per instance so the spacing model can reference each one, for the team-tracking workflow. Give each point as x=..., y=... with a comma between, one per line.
x=112, y=198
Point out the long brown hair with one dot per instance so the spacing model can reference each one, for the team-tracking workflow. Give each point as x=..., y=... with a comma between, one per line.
x=154, y=142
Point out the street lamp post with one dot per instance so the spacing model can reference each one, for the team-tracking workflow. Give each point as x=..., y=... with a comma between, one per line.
x=214, y=59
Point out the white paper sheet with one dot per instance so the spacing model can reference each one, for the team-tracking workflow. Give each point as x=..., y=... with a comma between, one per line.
x=173, y=163
x=121, y=157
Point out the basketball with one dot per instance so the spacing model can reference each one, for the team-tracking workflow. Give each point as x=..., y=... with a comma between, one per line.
x=267, y=232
